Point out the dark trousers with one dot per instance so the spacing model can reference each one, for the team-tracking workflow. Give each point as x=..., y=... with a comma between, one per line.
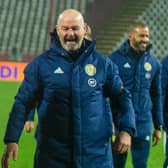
x=140, y=152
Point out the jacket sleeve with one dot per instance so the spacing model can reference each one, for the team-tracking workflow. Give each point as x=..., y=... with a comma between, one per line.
x=165, y=92
x=126, y=116
x=30, y=115
x=156, y=97
x=23, y=103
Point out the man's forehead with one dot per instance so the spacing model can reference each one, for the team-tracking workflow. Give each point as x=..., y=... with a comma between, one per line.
x=70, y=18
x=142, y=29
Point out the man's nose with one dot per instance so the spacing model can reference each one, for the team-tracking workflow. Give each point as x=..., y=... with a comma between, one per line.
x=70, y=32
x=146, y=39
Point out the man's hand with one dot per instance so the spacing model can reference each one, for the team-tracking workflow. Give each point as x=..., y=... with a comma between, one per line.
x=29, y=125
x=11, y=150
x=157, y=134
x=122, y=142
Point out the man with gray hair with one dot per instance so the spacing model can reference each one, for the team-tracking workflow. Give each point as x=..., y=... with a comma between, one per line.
x=70, y=82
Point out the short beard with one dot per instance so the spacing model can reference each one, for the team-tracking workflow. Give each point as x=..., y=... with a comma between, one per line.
x=138, y=46
x=71, y=48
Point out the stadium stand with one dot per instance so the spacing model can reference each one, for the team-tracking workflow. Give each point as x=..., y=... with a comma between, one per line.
x=25, y=25
x=113, y=32
x=152, y=12
x=156, y=17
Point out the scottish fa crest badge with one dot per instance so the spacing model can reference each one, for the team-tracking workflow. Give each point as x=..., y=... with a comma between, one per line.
x=90, y=69
x=147, y=66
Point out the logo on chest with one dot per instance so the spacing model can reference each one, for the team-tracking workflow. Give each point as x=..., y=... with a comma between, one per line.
x=92, y=82
x=127, y=65
x=58, y=71
x=90, y=69
x=148, y=68
x=147, y=75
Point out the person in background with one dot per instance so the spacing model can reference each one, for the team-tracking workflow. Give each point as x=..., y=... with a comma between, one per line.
x=70, y=82
x=165, y=105
x=141, y=75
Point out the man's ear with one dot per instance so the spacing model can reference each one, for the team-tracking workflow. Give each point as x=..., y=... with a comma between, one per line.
x=57, y=29
x=129, y=36
x=85, y=27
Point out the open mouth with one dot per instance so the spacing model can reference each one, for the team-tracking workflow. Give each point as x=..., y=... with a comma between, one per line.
x=71, y=39
x=70, y=42
x=143, y=44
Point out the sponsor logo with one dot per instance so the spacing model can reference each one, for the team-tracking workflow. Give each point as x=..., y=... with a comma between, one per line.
x=92, y=82
x=12, y=71
x=147, y=75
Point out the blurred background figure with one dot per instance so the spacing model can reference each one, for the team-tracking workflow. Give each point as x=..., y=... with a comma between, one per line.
x=165, y=106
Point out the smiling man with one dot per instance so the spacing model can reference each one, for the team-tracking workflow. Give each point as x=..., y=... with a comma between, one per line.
x=141, y=75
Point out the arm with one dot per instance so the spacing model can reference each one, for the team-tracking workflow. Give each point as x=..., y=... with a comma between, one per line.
x=126, y=118
x=156, y=98
x=165, y=92
x=11, y=150
x=126, y=122
x=24, y=101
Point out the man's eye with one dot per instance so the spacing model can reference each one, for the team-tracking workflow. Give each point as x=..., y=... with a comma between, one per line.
x=75, y=28
x=68, y=28
x=64, y=28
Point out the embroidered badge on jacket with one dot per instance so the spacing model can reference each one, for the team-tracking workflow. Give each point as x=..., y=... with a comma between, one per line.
x=147, y=66
x=90, y=69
